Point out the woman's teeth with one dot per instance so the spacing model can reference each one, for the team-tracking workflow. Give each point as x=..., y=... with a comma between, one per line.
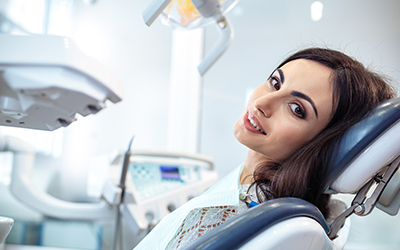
x=255, y=125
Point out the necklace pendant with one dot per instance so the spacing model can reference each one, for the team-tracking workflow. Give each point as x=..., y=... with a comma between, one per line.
x=243, y=196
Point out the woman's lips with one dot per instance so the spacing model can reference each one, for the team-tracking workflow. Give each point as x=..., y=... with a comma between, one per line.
x=252, y=124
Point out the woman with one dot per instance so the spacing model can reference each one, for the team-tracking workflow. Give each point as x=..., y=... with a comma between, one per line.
x=291, y=126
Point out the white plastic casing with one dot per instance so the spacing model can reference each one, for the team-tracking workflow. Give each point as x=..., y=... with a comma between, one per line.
x=304, y=234
x=381, y=152
x=45, y=81
x=5, y=227
x=23, y=188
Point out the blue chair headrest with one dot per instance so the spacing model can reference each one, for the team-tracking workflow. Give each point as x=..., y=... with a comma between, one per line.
x=363, y=134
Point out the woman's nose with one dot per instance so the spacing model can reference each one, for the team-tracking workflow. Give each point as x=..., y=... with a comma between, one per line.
x=266, y=104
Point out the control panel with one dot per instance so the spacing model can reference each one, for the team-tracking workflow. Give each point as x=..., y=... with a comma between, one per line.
x=159, y=182
x=152, y=178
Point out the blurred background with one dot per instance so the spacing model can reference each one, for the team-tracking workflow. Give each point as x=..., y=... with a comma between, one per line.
x=113, y=32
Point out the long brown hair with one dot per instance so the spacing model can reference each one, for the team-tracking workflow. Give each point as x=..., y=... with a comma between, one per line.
x=356, y=91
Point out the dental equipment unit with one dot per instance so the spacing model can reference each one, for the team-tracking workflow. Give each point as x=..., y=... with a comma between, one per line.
x=191, y=14
x=46, y=91
x=45, y=82
x=155, y=183
x=367, y=165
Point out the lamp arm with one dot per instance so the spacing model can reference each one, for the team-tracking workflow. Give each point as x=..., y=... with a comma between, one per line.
x=153, y=10
x=226, y=33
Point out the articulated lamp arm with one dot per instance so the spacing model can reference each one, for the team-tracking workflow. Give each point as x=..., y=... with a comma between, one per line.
x=225, y=37
x=208, y=9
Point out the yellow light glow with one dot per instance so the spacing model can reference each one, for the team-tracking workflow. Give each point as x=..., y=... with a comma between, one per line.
x=183, y=11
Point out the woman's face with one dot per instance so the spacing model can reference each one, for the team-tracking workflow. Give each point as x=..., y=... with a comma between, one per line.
x=288, y=110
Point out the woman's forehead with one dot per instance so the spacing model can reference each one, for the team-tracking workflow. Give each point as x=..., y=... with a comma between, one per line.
x=306, y=66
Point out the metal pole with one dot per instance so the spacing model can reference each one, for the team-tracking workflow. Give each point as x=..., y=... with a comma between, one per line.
x=122, y=181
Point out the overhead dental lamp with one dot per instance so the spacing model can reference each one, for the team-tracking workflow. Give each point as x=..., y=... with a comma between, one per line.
x=191, y=14
x=46, y=81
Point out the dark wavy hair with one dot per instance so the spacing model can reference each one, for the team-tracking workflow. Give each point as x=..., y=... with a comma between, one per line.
x=356, y=91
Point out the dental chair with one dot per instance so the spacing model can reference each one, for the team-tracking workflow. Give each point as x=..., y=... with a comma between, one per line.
x=366, y=165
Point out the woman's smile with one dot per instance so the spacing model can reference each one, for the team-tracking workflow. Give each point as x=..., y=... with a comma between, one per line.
x=252, y=124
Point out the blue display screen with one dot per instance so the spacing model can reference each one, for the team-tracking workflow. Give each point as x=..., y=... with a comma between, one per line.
x=170, y=172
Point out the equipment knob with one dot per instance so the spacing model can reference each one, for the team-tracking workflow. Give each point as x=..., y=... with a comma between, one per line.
x=171, y=207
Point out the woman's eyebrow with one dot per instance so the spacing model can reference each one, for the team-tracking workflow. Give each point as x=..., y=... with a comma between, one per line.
x=281, y=75
x=307, y=98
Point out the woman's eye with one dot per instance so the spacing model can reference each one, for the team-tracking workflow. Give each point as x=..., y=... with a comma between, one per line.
x=297, y=110
x=275, y=83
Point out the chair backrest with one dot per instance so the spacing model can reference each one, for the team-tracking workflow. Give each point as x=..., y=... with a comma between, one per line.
x=364, y=152
x=366, y=148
